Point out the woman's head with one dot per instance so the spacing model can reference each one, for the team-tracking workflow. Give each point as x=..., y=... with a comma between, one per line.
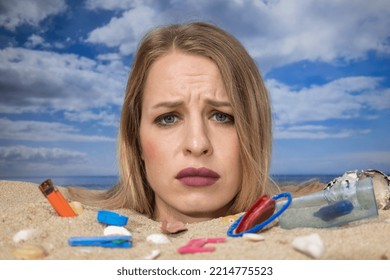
x=236, y=75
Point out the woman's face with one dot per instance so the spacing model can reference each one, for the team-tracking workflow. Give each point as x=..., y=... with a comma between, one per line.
x=188, y=139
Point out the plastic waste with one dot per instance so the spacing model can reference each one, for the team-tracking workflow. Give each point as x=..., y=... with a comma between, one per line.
x=337, y=204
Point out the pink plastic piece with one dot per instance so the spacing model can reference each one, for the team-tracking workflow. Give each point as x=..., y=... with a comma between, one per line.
x=196, y=245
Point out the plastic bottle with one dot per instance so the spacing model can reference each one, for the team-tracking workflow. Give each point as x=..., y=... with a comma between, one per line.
x=342, y=203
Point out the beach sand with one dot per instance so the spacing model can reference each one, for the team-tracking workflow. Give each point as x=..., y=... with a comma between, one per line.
x=24, y=207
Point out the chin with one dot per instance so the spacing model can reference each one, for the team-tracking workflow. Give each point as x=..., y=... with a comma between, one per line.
x=206, y=213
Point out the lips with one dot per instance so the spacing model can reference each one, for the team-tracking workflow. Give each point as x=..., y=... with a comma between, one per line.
x=197, y=177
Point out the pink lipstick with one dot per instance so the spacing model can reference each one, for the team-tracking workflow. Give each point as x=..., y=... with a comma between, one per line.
x=197, y=177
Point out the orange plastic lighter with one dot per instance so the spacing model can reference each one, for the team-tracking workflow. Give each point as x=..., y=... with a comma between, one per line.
x=56, y=199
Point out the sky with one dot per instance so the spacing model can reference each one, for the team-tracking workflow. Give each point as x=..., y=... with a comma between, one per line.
x=64, y=66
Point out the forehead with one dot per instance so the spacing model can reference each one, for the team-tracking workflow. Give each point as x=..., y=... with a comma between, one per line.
x=180, y=73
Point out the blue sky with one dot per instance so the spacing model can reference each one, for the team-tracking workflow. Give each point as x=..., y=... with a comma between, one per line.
x=64, y=66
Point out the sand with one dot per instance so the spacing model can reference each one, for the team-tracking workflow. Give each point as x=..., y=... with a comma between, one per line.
x=24, y=207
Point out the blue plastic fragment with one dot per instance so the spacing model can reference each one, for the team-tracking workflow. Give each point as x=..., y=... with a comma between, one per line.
x=114, y=241
x=111, y=218
x=335, y=210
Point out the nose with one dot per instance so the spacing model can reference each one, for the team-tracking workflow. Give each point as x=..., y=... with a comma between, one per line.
x=197, y=141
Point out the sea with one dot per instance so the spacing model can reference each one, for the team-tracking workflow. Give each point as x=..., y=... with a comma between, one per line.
x=107, y=182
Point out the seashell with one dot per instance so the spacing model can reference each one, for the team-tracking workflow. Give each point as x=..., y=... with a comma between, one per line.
x=153, y=255
x=24, y=235
x=172, y=227
x=381, y=185
x=382, y=191
x=77, y=207
x=116, y=230
x=30, y=252
x=311, y=245
x=158, y=238
x=253, y=237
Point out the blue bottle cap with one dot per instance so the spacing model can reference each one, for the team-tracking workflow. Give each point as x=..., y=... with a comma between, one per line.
x=111, y=218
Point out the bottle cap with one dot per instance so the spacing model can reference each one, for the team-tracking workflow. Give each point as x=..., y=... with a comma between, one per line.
x=111, y=218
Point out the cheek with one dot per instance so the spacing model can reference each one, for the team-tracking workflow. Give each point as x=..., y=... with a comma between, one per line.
x=149, y=150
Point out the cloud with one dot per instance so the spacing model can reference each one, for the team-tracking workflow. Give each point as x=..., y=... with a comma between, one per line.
x=315, y=132
x=333, y=163
x=319, y=31
x=103, y=117
x=36, y=40
x=360, y=160
x=45, y=131
x=112, y=4
x=275, y=32
x=36, y=81
x=343, y=98
x=16, y=13
x=40, y=154
x=109, y=57
x=19, y=161
x=295, y=111
x=124, y=32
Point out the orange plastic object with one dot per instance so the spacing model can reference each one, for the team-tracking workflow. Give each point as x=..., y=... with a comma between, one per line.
x=56, y=199
x=260, y=211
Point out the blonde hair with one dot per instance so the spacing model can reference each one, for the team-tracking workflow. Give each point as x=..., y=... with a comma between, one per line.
x=248, y=97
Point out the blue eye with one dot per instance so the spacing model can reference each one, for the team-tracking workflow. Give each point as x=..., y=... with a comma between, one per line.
x=223, y=118
x=167, y=119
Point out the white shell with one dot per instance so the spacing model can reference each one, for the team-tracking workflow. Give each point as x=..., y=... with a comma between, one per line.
x=158, y=238
x=253, y=237
x=380, y=181
x=382, y=192
x=30, y=252
x=77, y=207
x=311, y=245
x=115, y=230
x=153, y=255
x=24, y=235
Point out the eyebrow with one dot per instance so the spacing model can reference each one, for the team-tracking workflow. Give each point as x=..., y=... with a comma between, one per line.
x=168, y=104
x=218, y=103
x=174, y=104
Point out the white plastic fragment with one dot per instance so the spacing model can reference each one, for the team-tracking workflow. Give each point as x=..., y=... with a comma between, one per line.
x=116, y=230
x=158, y=238
x=153, y=255
x=24, y=235
x=311, y=245
x=253, y=237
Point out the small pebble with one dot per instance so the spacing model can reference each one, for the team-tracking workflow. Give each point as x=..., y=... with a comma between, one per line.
x=24, y=235
x=153, y=255
x=77, y=207
x=158, y=238
x=116, y=230
x=253, y=237
x=30, y=252
x=311, y=245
